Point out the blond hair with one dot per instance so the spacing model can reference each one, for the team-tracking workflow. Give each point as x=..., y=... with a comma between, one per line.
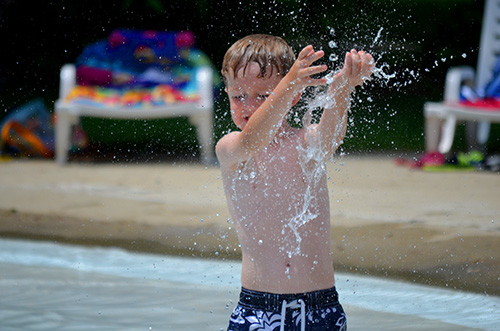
x=269, y=52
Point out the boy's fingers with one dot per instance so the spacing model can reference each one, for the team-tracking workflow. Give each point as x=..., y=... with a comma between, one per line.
x=355, y=62
x=315, y=70
x=371, y=62
x=365, y=58
x=348, y=63
x=314, y=57
x=306, y=51
x=368, y=64
x=319, y=54
x=316, y=82
x=310, y=59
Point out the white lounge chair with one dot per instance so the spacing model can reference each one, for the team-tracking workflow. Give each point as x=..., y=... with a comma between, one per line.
x=200, y=113
x=441, y=117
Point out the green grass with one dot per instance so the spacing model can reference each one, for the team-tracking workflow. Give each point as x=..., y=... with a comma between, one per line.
x=147, y=137
x=392, y=125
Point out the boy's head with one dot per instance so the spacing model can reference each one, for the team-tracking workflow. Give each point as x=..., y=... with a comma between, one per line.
x=272, y=54
x=252, y=68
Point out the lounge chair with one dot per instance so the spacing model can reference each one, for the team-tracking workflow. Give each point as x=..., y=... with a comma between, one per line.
x=441, y=117
x=199, y=109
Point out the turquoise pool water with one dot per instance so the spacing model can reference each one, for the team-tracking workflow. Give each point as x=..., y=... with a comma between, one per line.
x=48, y=286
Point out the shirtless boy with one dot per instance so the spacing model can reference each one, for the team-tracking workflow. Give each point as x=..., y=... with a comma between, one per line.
x=281, y=216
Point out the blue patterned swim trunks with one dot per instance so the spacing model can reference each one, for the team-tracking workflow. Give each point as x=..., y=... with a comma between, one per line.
x=260, y=311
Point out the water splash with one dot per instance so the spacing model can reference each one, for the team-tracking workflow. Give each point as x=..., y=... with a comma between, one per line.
x=377, y=37
x=312, y=156
x=312, y=160
x=333, y=44
x=380, y=73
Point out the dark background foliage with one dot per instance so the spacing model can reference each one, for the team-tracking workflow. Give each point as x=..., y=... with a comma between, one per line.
x=418, y=41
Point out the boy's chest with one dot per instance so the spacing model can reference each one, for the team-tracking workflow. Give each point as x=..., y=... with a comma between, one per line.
x=273, y=171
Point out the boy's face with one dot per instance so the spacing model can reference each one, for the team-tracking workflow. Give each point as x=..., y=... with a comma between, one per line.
x=246, y=93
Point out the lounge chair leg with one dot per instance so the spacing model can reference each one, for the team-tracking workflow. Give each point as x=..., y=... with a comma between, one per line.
x=477, y=135
x=432, y=133
x=204, y=129
x=483, y=132
x=63, y=130
x=447, y=134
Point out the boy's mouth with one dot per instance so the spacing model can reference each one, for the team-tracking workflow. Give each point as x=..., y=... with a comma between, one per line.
x=246, y=118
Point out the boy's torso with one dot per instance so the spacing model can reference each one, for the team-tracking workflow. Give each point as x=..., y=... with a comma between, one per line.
x=282, y=217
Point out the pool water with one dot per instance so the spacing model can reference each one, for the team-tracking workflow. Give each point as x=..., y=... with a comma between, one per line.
x=49, y=286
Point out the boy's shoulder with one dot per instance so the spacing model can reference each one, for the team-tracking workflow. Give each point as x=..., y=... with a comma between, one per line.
x=226, y=140
x=226, y=146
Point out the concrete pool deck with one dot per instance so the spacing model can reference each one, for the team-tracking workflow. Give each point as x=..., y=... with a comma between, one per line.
x=439, y=228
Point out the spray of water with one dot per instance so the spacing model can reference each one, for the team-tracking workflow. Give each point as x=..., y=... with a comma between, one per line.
x=313, y=163
x=312, y=156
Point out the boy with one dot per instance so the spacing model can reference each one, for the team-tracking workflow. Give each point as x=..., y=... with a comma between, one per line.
x=277, y=197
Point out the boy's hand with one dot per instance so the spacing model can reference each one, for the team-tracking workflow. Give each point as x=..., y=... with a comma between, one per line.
x=301, y=71
x=358, y=67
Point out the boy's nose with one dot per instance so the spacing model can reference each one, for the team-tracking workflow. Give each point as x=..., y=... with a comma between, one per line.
x=254, y=102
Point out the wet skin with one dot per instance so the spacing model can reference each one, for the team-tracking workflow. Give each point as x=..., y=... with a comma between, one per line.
x=282, y=217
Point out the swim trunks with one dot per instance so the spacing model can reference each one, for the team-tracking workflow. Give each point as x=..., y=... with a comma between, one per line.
x=319, y=310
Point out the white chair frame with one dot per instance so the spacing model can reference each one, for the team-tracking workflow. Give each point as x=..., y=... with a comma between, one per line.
x=441, y=118
x=200, y=113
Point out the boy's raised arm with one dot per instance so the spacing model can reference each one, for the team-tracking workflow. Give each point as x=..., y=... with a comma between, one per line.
x=237, y=147
x=358, y=67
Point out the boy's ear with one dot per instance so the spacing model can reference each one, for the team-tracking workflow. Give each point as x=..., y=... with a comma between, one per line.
x=296, y=99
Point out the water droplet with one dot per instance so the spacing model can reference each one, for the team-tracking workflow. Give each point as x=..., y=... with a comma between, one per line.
x=260, y=242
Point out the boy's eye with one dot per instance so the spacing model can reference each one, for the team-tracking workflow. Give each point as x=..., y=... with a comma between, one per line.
x=262, y=96
x=239, y=98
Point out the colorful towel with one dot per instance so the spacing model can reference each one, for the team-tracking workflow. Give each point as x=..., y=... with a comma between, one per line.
x=129, y=97
x=486, y=97
x=139, y=68
x=488, y=104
